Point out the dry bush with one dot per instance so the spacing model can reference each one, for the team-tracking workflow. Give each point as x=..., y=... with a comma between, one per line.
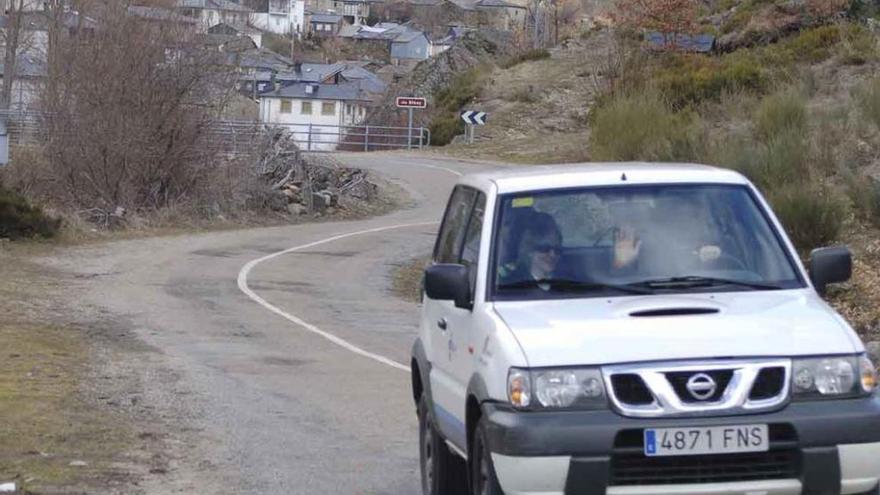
x=129, y=110
x=666, y=16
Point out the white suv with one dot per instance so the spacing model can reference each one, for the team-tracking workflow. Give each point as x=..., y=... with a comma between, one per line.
x=635, y=329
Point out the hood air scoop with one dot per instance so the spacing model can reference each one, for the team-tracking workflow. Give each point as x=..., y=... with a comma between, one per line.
x=683, y=311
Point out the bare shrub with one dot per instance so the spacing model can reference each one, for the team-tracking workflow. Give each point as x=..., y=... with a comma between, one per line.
x=666, y=16
x=130, y=107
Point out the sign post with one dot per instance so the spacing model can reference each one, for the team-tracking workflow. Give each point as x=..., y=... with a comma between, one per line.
x=472, y=119
x=411, y=103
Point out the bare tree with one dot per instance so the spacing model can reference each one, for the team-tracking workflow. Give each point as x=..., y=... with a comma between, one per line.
x=130, y=106
x=12, y=38
x=670, y=17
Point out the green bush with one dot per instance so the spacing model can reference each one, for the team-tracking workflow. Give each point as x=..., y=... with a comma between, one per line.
x=643, y=127
x=782, y=161
x=19, y=219
x=463, y=88
x=781, y=113
x=529, y=55
x=449, y=101
x=812, y=217
x=813, y=45
x=443, y=129
x=867, y=99
x=687, y=79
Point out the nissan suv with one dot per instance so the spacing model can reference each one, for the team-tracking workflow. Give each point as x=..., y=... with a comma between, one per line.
x=635, y=329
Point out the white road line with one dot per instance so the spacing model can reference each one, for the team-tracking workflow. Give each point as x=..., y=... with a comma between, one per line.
x=243, y=286
x=437, y=167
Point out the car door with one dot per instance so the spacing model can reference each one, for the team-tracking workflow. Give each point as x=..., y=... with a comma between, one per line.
x=446, y=325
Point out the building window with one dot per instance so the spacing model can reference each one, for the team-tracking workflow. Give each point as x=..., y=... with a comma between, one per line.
x=286, y=106
x=328, y=108
x=306, y=108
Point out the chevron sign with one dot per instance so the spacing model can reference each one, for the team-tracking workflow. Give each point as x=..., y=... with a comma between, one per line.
x=474, y=118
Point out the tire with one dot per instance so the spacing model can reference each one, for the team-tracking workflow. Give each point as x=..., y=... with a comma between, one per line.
x=483, y=478
x=443, y=473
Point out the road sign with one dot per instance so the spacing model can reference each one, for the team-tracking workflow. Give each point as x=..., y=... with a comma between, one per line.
x=411, y=102
x=471, y=117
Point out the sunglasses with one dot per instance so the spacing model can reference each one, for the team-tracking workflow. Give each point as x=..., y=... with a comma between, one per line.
x=546, y=248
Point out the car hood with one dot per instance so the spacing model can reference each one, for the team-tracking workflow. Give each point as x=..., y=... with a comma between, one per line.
x=747, y=324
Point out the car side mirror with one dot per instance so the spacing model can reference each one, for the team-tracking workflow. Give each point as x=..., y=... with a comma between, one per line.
x=449, y=282
x=830, y=265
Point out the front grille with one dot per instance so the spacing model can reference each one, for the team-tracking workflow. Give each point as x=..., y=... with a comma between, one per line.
x=629, y=466
x=768, y=384
x=679, y=379
x=631, y=389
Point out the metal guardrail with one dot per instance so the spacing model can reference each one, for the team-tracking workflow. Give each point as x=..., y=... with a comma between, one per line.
x=243, y=137
x=325, y=138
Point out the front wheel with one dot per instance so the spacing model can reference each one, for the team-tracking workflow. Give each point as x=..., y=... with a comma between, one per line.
x=442, y=472
x=483, y=478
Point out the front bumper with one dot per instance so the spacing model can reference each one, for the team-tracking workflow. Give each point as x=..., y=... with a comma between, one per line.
x=835, y=448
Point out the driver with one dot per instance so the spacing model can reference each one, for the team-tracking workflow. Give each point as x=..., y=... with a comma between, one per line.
x=537, y=255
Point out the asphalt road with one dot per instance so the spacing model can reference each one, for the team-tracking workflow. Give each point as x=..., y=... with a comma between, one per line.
x=265, y=403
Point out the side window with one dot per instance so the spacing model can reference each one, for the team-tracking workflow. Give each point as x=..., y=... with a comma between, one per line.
x=454, y=224
x=470, y=253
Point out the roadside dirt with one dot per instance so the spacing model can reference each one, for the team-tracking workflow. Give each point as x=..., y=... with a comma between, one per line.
x=80, y=396
x=74, y=418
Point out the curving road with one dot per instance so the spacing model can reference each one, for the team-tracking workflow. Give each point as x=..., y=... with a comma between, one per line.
x=287, y=351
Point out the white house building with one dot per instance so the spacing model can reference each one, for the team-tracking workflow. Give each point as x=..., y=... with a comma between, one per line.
x=317, y=111
x=286, y=17
x=212, y=12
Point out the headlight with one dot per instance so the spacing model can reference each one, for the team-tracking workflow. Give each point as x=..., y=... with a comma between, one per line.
x=832, y=377
x=556, y=388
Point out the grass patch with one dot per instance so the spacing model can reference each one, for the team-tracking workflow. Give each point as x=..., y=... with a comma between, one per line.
x=523, y=95
x=406, y=279
x=47, y=421
x=527, y=56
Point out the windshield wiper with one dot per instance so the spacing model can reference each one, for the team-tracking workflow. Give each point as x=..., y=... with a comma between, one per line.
x=564, y=284
x=700, y=281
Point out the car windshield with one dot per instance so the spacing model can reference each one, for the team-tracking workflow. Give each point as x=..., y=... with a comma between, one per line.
x=623, y=240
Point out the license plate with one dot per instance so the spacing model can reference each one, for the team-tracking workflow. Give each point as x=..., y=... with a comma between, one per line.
x=706, y=440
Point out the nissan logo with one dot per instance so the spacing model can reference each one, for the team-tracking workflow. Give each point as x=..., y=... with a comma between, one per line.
x=701, y=386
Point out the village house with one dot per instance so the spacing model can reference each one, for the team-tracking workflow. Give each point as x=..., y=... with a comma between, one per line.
x=410, y=47
x=238, y=31
x=316, y=102
x=325, y=25
x=212, y=12
x=284, y=17
x=402, y=43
